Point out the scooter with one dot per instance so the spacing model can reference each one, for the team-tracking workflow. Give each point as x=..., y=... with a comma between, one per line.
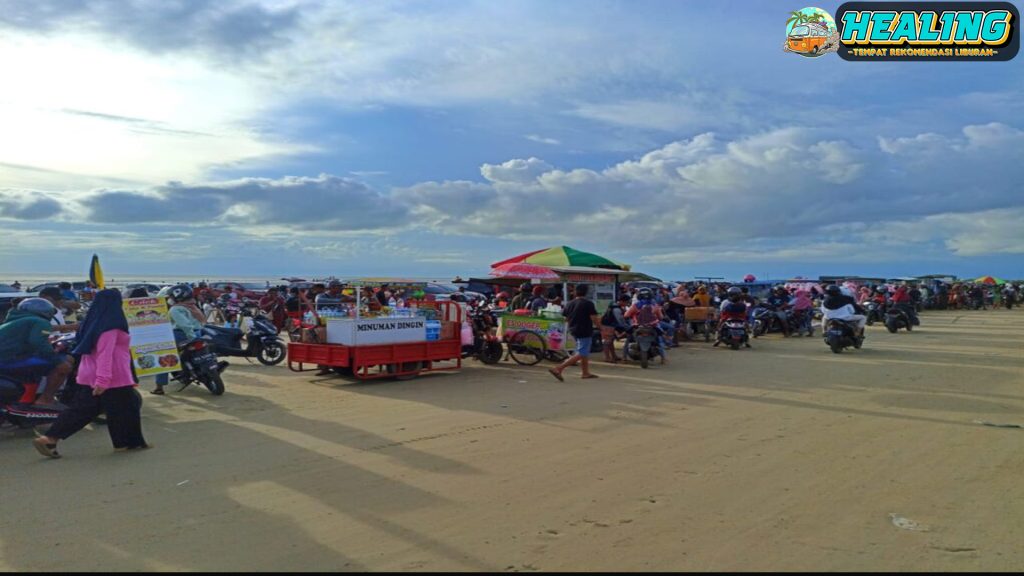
x=841, y=334
x=17, y=394
x=733, y=333
x=896, y=318
x=874, y=311
x=486, y=346
x=643, y=344
x=199, y=364
x=261, y=342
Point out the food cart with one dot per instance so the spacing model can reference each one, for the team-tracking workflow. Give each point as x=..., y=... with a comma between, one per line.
x=554, y=337
x=401, y=342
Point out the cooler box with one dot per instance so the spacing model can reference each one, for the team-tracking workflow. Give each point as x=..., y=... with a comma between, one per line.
x=699, y=313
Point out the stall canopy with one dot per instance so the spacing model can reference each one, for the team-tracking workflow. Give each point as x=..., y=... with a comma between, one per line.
x=521, y=270
x=990, y=280
x=564, y=256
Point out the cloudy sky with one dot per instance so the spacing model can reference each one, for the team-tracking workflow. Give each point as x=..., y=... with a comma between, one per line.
x=281, y=137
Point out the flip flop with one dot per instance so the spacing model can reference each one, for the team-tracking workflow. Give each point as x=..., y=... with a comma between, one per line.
x=158, y=392
x=589, y=376
x=45, y=448
x=556, y=374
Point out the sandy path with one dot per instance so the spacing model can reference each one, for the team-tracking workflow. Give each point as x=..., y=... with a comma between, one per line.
x=782, y=457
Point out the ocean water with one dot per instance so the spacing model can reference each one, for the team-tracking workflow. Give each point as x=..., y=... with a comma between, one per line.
x=30, y=279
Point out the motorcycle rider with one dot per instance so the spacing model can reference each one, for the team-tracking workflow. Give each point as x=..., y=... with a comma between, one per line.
x=839, y=306
x=646, y=312
x=734, y=307
x=901, y=299
x=25, y=349
x=778, y=302
x=186, y=320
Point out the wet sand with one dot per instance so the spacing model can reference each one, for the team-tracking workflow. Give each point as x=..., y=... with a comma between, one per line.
x=782, y=457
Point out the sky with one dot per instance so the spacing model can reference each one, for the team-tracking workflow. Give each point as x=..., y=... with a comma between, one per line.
x=231, y=138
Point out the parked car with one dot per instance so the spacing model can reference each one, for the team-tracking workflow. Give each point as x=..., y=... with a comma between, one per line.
x=151, y=289
x=251, y=290
x=76, y=286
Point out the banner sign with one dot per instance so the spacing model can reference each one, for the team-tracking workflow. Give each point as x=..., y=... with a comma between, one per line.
x=152, y=337
x=370, y=331
x=972, y=31
x=552, y=331
x=595, y=278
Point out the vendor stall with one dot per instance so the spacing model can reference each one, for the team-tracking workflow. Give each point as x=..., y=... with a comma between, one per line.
x=557, y=266
x=403, y=338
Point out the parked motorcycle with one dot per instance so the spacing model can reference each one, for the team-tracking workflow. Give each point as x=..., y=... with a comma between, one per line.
x=199, y=364
x=733, y=333
x=261, y=342
x=765, y=321
x=643, y=344
x=486, y=346
x=840, y=334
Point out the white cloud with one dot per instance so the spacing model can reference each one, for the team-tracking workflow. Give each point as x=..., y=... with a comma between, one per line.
x=541, y=139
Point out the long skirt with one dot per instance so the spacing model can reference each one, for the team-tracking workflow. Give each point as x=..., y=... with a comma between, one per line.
x=123, y=407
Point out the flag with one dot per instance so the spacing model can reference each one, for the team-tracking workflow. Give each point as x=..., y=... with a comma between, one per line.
x=96, y=273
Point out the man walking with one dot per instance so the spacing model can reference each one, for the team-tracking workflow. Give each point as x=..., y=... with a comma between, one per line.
x=581, y=316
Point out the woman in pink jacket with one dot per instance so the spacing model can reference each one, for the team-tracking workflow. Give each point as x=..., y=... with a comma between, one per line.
x=105, y=381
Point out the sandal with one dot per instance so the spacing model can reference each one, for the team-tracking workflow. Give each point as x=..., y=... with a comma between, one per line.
x=157, y=391
x=48, y=449
x=556, y=375
x=589, y=376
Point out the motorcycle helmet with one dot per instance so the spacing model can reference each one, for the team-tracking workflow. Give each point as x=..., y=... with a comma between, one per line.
x=833, y=290
x=644, y=294
x=735, y=294
x=180, y=293
x=40, y=307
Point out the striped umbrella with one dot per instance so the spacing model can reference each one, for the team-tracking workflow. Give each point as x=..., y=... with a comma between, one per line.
x=564, y=256
x=524, y=271
x=96, y=273
x=990, y=280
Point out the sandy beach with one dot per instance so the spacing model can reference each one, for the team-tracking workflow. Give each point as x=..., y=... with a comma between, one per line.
x=782, y=457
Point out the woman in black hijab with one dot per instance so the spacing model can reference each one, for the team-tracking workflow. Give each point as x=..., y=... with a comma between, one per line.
x=105, y=381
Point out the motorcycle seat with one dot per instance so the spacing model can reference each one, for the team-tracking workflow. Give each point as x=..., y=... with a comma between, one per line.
x=225, y=331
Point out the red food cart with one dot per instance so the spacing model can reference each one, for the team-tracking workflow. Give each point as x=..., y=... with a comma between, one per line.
x=370, y=347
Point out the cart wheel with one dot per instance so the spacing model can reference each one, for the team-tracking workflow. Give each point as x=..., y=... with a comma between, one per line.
x=527, y=347
x=412, y=367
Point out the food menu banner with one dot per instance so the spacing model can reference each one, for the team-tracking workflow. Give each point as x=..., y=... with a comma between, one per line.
x=149, y=325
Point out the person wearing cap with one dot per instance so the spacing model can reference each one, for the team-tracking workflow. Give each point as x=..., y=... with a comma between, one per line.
x=522, y=299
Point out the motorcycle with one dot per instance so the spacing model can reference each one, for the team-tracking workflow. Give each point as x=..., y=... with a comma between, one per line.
x=874, y=312
x=486, y=346
x=643, y=344
x=896, y=318
x=261, y=342
x=733, y=333
x=199, y=364
x=765, y=321
x=18, y=394
x=841, y=334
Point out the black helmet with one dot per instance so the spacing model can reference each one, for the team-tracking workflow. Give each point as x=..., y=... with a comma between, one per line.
x=40, y=307
x=735, y=291
x=833, y=290
x=180, y=293
x=644, y=294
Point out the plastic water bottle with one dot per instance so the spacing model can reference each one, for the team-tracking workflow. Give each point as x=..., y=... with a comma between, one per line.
x=307, y=318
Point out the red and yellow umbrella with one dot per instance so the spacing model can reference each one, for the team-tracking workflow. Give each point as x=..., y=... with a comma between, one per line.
x=989, y=280
x=563, y=256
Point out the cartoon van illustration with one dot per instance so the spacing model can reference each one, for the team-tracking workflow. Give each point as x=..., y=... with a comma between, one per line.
x=807, y=38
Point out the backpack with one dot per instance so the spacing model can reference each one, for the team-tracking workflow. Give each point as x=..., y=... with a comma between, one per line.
x=645, y=315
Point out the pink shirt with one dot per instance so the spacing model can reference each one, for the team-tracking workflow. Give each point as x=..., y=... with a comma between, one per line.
x=109, y=365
